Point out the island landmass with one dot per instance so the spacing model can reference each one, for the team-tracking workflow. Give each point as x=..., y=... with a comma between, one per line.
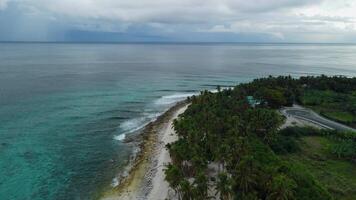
x=272, y=138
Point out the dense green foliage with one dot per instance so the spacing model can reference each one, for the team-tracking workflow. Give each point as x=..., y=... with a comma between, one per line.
x=340, y=107
x=231, y=148
x=329, y=157
x=332, y=97
x=341, y=144
x=339, y=84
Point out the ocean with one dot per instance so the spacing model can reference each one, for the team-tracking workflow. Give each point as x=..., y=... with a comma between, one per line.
x=65, y=108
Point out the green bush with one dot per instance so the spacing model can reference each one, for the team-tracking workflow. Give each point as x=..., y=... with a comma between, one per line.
x=284, y=145
x=307, y=186
x=344, y=149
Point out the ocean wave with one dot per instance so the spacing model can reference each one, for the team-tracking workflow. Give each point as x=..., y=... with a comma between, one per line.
x=174, y=98
x=115, y=182
x=120, y=137
x=151, y=113
x=135, y=124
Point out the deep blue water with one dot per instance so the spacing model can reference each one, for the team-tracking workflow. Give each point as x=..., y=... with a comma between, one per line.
x=64, y=107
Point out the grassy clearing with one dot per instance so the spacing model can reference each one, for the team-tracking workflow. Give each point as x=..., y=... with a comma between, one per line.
x=341, y=116
x=336, y=175
x=339, y=107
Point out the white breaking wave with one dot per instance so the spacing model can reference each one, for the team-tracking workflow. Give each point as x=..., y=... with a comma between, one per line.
x=135, y=124
x=174, y=98
x=132, y=124
x=115, y=182
x=120, y=137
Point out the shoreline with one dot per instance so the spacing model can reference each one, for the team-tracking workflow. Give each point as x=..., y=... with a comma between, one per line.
x=145, y=176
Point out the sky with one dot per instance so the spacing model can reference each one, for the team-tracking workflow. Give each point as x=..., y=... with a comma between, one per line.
x=320, y=21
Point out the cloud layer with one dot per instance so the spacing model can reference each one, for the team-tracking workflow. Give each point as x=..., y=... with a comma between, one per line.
x=276, y=20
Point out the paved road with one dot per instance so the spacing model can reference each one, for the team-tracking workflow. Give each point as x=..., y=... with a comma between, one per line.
x=309, y=115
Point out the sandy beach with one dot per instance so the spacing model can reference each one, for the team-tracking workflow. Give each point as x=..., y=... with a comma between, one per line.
x=146, y=179
x=160, y=189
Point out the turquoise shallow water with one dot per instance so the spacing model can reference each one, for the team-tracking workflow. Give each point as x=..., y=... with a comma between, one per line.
x=64, y=107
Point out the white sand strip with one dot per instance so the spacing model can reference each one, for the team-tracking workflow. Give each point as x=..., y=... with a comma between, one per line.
x=160, y=188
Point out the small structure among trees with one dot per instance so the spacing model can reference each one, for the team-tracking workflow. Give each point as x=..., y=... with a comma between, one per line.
x=252, y=101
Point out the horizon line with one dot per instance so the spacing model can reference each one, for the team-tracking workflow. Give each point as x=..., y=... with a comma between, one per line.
x=174, y=42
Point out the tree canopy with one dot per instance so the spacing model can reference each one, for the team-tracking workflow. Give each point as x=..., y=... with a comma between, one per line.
x=223, y=131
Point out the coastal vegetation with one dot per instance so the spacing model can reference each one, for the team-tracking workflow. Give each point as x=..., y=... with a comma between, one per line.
x=332, y=97
x=230, y=145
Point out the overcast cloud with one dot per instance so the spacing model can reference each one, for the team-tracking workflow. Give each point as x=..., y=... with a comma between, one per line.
x=214, y=20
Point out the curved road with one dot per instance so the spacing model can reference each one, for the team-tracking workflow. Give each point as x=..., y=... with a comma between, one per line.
x=310, y=116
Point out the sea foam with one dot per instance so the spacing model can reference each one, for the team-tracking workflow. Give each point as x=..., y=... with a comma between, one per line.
x=135, y=124
x=120, y=137
x=159, y=106
x=174, y=98
x=115, y=182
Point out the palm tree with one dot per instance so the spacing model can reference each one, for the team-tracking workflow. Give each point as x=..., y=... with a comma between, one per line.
x=223, y=186
x=173, y=176
x=201, y=183
x=186, y=190
x=245, y=176
x=281, y=188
